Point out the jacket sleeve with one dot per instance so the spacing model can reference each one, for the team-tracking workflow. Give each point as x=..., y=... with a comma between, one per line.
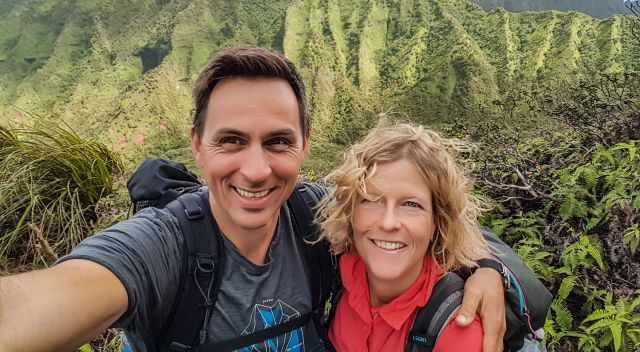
x=455, y=338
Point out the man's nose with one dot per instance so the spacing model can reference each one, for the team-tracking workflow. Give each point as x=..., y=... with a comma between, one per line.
x=256, y=166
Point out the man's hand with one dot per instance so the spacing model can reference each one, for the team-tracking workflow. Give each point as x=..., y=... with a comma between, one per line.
x=484, y=295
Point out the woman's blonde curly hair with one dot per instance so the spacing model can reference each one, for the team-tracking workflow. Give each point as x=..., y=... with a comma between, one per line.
x=457, y=241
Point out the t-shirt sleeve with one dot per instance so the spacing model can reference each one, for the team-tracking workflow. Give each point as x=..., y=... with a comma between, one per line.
x=144, y=253
x=455, y=338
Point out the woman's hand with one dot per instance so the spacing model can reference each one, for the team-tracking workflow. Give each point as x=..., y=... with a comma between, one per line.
x=484, y=295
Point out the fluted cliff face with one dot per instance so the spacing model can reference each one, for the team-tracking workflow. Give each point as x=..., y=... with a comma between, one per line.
x=110, y=67
x=440, y=53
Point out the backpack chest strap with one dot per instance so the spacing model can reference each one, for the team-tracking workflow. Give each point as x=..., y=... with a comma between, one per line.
x=255, y=338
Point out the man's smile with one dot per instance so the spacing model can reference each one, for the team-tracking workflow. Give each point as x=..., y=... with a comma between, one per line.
x=252, y=194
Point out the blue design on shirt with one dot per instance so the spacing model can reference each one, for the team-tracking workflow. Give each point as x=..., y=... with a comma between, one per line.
x=266, y=316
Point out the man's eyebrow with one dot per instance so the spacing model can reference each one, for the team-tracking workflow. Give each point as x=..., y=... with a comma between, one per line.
x=229, y=131
x=283, y=132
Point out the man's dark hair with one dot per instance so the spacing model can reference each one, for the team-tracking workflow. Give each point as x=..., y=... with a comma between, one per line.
x=246, y=63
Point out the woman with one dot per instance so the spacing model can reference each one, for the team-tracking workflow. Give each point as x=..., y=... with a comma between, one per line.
x=401, y=215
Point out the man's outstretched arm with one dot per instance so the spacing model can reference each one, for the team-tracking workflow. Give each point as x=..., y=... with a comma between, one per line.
x=60, y=308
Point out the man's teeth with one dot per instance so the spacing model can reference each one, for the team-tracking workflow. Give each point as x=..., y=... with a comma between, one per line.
x=247, y=194
x=389, y=245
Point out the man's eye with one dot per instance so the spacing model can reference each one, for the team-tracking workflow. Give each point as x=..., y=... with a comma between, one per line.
x=279, y=144
x=231, y=142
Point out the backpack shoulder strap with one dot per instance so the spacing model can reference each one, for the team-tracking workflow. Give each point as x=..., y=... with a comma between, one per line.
x=321, y=265
x=302, y=204
x=202, y=265
x=433, y=317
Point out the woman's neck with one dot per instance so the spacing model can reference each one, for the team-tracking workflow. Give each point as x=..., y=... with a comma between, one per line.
x=384, y=291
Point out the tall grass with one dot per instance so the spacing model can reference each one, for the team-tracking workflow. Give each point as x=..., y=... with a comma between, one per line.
x=50, y=182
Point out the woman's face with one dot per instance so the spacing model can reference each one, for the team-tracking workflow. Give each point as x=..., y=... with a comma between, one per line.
x=393, y=228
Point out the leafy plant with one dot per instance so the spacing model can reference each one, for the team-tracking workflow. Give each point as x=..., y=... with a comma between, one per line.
x=582, y=254
x=531, y=252
x=560, y=324
x=615, y=324
x=50, y=182
x=632, y=238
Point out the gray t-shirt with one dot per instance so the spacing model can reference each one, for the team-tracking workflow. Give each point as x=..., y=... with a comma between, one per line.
x=145, y=253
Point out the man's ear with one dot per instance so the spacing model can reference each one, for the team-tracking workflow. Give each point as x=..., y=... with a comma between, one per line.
x=307, y=146
x=196, y=145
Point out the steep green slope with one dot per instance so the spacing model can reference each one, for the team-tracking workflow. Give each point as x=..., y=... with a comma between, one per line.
x=596, y=8
x=435, y=54
x=121, y=70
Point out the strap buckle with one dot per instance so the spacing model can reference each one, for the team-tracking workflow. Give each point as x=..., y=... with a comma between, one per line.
x=204, y=263
x=178, y=347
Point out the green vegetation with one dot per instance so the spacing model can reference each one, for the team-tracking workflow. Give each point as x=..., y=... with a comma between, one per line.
x=570, y=202
x=551, y=99
x=431, y=57
x=50, y=182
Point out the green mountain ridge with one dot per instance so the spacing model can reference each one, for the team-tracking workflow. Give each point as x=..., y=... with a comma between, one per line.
x=117, y=70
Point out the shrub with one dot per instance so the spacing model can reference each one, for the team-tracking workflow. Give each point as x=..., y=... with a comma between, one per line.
x=50, y=182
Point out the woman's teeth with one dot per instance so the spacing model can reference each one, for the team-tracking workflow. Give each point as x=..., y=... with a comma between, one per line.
x=389, y=245
x=247, y=194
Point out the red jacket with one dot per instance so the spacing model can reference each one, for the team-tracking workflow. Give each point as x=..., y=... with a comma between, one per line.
x=358, y=327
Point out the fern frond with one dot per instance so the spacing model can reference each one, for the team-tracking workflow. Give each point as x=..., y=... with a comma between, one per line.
x=564, y=318
x=598, y=314
x=566, y=287
x=616, y=332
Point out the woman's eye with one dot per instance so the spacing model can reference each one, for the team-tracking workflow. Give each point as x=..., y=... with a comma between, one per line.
x=371, y=200
x=412, y=204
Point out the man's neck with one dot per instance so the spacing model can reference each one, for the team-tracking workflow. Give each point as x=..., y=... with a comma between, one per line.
x=252, y=244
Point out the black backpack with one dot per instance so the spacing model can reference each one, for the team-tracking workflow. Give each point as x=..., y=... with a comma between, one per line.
x=161, y=183
x=527, y=304
x=164, y=184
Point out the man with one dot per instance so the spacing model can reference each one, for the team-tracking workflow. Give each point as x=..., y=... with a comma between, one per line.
x=249, y=137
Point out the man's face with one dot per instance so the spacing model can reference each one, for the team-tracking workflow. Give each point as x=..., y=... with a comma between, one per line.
x=250, y=152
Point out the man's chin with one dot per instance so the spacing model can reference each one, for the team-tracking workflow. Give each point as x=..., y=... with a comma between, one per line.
x=252, y=220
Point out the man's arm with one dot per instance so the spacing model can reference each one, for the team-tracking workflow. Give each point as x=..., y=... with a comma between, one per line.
x=60, y=308
x=484, y=295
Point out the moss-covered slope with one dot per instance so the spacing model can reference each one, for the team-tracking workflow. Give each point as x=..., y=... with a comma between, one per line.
x=121, y=70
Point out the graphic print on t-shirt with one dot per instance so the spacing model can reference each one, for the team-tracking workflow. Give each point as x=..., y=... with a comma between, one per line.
x=272, y=313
